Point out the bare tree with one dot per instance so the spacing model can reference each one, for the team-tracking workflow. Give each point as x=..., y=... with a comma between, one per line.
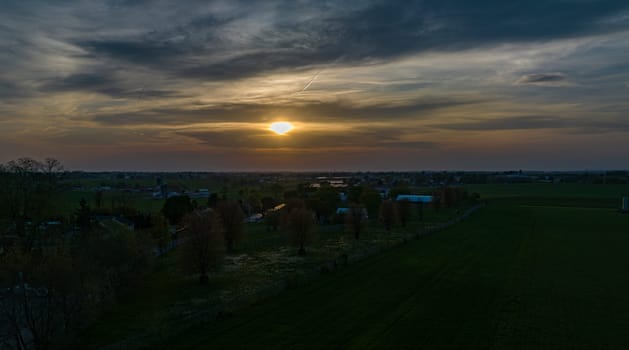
x=232, y=219
x=41, y=299
x=51, y=167
x=449, y=196
x=301, y=226
x=98, y=199
x=436, y=200
x=355, y=219
x=203, y=242
x=388, y=214
x=26, y=195
x=404, y=211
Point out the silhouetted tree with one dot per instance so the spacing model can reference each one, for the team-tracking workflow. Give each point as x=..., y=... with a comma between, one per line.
x=326, y=201
x=461, y=196
x=83, y=216
x=232, y=219
x=300, y=226
x=475, y=198
x=354, y=193
x=176, y=207
x=26, y=193
x=401, y=189
x=98, y=199
x=203, y=243
x=268, y=203
x=404, y=211
x=388, y=214
x=290, y=205
x=272, y=220
x=371, y=199
x=354, y=220
x=212, y=200
x=253, y=201
x=436, y=200
x=449, y=197
x=159, y=232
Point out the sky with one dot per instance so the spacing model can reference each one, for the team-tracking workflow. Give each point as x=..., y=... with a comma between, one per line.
x=154, y=85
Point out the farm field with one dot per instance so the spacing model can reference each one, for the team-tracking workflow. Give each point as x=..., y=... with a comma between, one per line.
x=530, y=271
x=167, y=290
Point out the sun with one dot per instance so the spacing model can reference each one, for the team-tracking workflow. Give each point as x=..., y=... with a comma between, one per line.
x=281, y=128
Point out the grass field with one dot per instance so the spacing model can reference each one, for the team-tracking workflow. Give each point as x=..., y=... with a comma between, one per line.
x=527, y=272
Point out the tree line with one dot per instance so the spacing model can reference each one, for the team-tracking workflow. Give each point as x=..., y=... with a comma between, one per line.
x=53, y=282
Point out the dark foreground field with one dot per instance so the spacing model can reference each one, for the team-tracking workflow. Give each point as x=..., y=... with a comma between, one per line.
x=519, y=274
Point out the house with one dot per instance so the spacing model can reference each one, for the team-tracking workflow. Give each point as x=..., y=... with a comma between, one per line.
x=343, y=211
x=200, y=193
x=255, y=218
x=413, y=198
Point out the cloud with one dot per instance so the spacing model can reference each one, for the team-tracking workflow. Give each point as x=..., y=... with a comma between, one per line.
x=587, y=125
x=104, y=83
x=12, y=90
x=340, y=111
x=210, y=47
x=394, y=75
x=552, y=79
x=508, y=123
x=243, y=138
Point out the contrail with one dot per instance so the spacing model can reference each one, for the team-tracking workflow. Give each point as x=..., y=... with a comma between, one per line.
x=310, y=82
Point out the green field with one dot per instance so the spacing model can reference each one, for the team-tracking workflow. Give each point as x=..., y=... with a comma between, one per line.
x=537, y=269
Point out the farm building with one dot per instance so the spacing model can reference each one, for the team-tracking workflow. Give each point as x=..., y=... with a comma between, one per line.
x=414, y=198
x=343, y=211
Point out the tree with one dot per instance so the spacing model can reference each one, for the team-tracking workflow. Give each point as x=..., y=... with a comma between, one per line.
x=83, y=216
x=461, y=196
x=449, y=197
x=47, y=295
x=300, y=226
x=176, y=207
x=232, y=218
x=272, y=220
x=326, y=200
x=51, y=167
x=404, y=211
x=420, y=211
x=212, y=200
x=159, y=232
x=254, y=202
x=268, y=203
x=354, y=193
x=400, y=189
x=203, y=243
x=26, y=195
x=354, y=220
x=371, y=199
x=41, y=298
x=98, y=199
x=388, y=214
x=290, y=205
x=436, y=200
